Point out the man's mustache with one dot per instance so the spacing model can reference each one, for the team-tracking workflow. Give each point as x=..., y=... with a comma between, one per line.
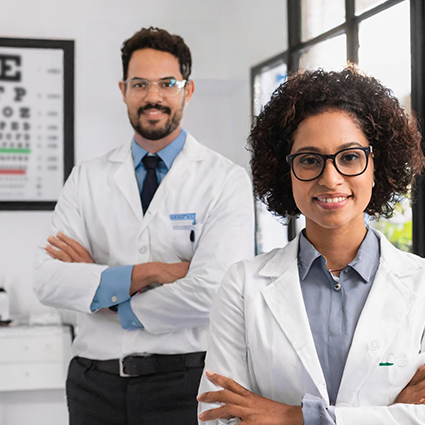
x=157, y=106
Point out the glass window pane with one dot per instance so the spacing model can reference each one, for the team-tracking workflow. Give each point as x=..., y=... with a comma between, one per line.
x=270, y=232
x=385, y=53
x=319, y=16
x=398, y=229
x=265, y=84
x=330, y=54
x=385, y=49
x=364, y=5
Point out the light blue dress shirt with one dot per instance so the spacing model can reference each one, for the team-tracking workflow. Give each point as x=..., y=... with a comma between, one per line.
x=115, y=281
x=333, y=309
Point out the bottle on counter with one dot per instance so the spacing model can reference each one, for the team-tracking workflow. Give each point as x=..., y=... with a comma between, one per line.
x=4, y=307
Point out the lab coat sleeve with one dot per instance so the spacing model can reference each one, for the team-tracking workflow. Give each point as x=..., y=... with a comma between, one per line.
x=397, y=414
x=227, y=344
x=315, y=411
x=70, y=286
x=227, y=236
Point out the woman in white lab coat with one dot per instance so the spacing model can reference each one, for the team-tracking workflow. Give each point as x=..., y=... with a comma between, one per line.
x=329, y=329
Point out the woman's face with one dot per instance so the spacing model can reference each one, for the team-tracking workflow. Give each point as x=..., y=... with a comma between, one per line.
x=332, y=201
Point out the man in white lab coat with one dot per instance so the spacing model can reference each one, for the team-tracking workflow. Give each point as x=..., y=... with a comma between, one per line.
x=140, y=239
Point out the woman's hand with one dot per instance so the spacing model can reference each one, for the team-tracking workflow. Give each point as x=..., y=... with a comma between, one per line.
x=238, y=402
x=414, y=391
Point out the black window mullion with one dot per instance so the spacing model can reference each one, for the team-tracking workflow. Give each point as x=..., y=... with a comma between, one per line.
x=378, y=9
x=294, y=34
x=417, y=28
x=294, y=40
x=352, y=28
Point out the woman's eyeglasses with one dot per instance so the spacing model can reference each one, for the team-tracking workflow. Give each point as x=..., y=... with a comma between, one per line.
x=350, y=162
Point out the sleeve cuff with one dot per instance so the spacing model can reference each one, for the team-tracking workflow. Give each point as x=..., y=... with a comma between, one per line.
x=127, y=317
x=114, y=287
x=316, y=412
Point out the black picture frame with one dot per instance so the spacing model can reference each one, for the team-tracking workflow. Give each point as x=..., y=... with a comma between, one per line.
x=6, y=75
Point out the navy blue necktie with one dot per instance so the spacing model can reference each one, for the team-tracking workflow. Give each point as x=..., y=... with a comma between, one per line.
x=151, y=181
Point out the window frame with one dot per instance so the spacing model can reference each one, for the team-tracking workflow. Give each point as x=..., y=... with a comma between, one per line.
x=350, y=27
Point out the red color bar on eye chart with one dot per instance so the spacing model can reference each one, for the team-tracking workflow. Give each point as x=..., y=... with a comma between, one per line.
x=13, y=172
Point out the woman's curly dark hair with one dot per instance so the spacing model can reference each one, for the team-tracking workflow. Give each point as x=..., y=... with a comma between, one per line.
x=395, y=139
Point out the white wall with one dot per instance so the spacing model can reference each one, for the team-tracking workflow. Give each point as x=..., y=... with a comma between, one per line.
x=226, y=38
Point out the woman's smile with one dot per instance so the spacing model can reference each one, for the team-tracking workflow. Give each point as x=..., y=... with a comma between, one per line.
x=332, y=201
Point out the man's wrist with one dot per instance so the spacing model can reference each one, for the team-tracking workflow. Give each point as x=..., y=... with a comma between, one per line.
x=294, y=415
x=142, y=275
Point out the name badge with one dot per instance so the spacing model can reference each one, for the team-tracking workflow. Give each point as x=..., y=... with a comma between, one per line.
x=183, y=221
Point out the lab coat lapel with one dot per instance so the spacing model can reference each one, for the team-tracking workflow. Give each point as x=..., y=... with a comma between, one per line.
x=125, y=179
x=387, y=306
x=284, y=299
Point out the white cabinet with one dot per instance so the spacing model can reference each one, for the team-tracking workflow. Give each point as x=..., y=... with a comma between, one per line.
x=34, y=357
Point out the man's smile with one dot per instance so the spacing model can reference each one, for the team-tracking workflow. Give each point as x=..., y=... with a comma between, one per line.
x=150, y=110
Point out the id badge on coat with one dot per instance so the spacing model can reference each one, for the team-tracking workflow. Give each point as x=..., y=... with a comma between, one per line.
x=185, y=234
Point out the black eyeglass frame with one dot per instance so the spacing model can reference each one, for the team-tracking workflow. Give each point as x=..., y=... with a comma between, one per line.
x=366, y=149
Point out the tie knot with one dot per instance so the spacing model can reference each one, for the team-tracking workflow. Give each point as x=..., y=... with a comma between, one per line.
x=150, y=162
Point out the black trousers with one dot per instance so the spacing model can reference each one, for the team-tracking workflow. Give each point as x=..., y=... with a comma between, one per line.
x=100, y=398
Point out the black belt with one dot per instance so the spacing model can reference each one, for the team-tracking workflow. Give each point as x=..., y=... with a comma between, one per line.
x=132, y=366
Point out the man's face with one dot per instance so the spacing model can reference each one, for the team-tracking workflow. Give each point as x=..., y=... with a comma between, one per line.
x=154, y=116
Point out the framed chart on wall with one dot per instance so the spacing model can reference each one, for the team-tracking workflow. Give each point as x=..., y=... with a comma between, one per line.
x=36, y=121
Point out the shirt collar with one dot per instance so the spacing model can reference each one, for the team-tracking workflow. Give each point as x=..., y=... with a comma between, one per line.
x=367, y=258
x=307, y=254
x=167, y=154
x=365, y=263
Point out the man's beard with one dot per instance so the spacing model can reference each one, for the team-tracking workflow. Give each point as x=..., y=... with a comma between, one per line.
x=157, y=133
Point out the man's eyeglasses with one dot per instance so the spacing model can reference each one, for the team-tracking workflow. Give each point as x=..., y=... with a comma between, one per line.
x=167, y=87
x=308, y=166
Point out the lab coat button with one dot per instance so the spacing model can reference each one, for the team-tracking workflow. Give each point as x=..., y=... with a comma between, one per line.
x=402, y=362
x=143, y=249
x=337, y=286
x=373, y=345
x=114, y=299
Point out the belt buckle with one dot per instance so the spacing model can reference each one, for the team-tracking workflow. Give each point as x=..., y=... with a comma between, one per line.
x=122, y=373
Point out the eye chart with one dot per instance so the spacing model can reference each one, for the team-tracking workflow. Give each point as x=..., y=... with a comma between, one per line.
x=36, y=121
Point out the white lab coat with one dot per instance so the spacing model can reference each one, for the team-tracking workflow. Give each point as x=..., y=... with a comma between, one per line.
x=260, y=336
x=100, y=207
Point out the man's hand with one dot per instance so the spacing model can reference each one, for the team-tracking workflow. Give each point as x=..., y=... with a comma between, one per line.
x=414, y=391
x=155, y=272
x=238, y=402
x=67, y=249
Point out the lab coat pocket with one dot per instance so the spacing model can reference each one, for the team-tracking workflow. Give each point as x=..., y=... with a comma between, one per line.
x=185, y=240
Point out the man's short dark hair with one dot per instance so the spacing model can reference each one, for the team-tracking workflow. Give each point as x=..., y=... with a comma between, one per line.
x=396, y=141
x=157, y=39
